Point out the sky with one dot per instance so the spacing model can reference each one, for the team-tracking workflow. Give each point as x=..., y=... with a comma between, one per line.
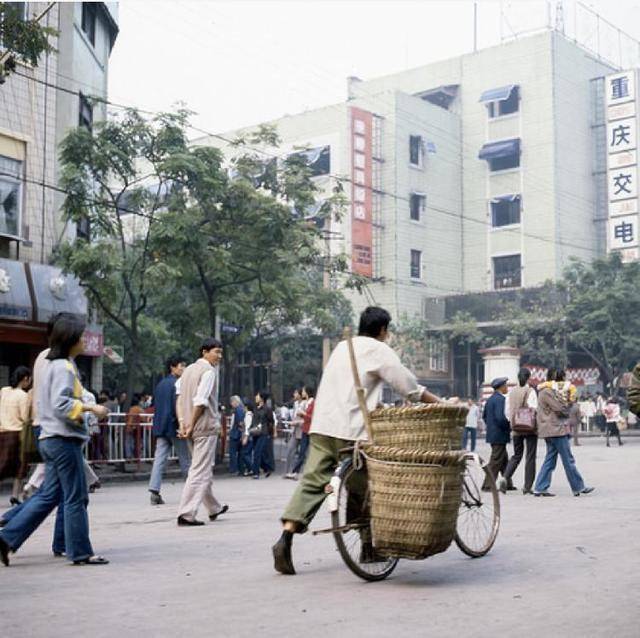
x=243, y=62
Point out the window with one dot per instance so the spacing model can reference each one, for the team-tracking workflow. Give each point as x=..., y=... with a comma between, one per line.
x=83, y=229
x=10, y=196
x=85, y=113
x=359, y=143
x=416, y=264
x=503, y=163
x=358, y=160
x=415, y=150
x=505, y=210
x=17, y=9
x=438, y=354
x=502, y=154
x=507, y=272
x=358, y=174
x=417, y=205
x=359, y=194
x=89, y=16
x=504, y=107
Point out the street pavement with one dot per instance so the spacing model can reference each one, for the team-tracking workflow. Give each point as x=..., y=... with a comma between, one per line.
x=561, y=567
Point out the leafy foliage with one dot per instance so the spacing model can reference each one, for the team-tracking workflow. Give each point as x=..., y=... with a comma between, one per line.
x=23, y=40
x=180, y=244
x=593, y=310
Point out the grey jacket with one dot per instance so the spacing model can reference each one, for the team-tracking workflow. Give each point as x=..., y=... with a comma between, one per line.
x=59, y=401
x=552, y=414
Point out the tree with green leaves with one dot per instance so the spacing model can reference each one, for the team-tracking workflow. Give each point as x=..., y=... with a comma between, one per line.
x=120, y=180
x=22, y=39
x=178, y=245
x=594, y=311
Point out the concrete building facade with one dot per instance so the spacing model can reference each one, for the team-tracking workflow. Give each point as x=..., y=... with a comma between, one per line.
x=484, y=175
x=37, y=108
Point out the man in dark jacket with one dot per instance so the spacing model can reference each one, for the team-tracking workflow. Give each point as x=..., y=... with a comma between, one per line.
x=498, y=429
x=165, y=426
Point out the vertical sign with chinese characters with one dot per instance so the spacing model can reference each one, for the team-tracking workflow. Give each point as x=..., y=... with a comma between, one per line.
x=622, y=163
x=361, y=192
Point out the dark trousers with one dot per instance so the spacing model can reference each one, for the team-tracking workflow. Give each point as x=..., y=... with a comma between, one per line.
x=612, y=428
x=302, y=453
x=246, y=456
x=261, y=455
x=519, y=442
x=235, y=456
x=497, y=463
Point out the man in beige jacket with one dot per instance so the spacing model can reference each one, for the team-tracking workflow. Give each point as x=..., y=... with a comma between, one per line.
x=197, y=407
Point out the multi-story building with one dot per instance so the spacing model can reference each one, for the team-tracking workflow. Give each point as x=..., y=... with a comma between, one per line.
x=37, y=107
x=477, y=174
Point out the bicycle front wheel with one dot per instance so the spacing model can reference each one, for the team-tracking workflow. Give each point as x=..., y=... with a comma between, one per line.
x=479, y=514
x=352, y=525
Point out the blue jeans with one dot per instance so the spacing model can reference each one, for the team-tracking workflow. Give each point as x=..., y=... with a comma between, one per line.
x=302, y=453
x=64, y=482
x=163, y=449
x=235, y=455
x=558, y=445
x=469, y=432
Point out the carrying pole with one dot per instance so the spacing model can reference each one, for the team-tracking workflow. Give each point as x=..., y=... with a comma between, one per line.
x=360, y=391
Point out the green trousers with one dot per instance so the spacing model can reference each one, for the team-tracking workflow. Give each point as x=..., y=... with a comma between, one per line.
x=322, y=460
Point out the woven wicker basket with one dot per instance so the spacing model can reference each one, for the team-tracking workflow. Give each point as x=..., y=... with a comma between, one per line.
x=414, y=500
x=436, y=427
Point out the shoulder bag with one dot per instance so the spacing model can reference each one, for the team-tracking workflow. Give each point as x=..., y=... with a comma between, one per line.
x=524, y=421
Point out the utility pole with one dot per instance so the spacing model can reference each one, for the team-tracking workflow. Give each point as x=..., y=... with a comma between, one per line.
x=326, y=284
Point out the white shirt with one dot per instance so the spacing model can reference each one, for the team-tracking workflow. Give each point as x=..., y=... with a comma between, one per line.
x=472, y=417
x=205, y=388
x=337, y=412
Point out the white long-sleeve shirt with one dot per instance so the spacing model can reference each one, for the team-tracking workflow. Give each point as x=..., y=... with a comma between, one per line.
x=337, y=412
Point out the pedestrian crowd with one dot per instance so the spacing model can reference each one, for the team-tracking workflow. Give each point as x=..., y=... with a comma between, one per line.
x=50, y=421
x=551, y=411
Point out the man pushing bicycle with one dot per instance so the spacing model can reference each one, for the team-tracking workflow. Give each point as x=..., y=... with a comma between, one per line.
x=338, y=421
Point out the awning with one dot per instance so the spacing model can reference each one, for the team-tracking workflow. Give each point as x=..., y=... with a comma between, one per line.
x=497, y=95
x=15, y=298
x=55, y=292
x=505, y=198
x=505, y=148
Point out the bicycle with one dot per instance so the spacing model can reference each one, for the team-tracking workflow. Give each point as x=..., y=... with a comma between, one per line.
x=476, y=529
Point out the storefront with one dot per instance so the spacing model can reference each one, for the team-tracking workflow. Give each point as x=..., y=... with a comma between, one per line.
x=29, y=295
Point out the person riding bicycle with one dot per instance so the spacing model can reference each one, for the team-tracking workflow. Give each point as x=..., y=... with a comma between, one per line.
x=338, y=422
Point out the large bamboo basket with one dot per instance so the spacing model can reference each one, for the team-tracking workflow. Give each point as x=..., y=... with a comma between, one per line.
x=435, y=427
x=414, y=499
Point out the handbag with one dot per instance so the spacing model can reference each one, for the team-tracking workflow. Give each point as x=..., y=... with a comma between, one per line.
x=524, y=421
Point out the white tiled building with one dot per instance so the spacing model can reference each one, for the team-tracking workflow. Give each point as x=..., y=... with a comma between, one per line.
x=480, y=168
x=37, y=108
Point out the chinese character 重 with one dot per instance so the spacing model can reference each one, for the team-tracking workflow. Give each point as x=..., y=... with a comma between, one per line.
x=624, y=232
x=619, y=87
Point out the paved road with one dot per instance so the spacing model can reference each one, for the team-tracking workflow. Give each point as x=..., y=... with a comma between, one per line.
x=561, y=567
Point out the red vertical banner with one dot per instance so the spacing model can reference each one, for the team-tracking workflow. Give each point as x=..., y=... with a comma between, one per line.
x=361, y=192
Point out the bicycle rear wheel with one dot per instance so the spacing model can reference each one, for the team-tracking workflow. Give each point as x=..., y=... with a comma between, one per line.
x=479, y=515
x=352, y=525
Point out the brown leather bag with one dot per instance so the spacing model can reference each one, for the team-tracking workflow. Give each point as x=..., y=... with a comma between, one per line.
x=524, y=420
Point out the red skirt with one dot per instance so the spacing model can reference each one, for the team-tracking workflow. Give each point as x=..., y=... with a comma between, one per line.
x=10, y=455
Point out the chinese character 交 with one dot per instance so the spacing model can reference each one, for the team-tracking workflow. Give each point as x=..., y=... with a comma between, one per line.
x=620, y=183
x=624, y=231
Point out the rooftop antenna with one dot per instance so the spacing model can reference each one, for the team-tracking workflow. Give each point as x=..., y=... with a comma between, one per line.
x=560, y=17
